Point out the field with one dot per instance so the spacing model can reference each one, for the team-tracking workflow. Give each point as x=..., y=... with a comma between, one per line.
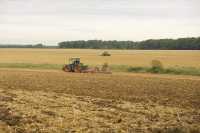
x=141, y=58
x=52, y=101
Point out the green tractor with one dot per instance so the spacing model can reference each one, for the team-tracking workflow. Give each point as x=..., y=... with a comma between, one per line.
x=76, y=66
x=73, y=66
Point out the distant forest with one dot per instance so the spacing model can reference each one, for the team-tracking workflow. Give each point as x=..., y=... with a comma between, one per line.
x=25, y=46
x=161, y=44
x=152, y=44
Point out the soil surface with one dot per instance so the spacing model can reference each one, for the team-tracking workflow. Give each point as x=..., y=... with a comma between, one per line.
x=33, y=101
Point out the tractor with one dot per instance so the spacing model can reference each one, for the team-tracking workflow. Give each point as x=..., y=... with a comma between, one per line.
x=73, y=66
x=76, y=66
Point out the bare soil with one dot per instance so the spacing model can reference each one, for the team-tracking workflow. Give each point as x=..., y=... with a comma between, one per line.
x=58, y=102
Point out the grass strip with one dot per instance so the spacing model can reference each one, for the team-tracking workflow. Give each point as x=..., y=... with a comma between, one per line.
x=171, y=70
x=30, y=66
x=114, y=68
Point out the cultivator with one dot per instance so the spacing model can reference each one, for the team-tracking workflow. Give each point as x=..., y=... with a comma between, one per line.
x=76, y=66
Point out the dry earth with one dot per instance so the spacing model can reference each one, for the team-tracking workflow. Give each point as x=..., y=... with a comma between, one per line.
x=58, y=102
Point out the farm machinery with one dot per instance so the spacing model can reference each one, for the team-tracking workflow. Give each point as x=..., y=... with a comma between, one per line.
x=76, y=66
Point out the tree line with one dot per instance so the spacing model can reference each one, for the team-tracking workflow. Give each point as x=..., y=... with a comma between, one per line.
x=152, y=44
x=25, y=46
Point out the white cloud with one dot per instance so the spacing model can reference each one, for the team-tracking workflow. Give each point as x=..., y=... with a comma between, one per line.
x=50, y=21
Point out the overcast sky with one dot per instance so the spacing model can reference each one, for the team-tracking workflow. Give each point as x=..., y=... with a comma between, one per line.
x=52, y=21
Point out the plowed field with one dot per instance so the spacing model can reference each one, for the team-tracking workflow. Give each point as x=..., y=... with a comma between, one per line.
x=54, y=102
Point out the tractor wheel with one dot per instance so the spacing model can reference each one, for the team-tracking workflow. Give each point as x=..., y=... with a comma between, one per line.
x=77, y=69
x=65, y=68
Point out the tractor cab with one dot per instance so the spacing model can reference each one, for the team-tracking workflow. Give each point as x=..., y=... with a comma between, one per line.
x=74, y=61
